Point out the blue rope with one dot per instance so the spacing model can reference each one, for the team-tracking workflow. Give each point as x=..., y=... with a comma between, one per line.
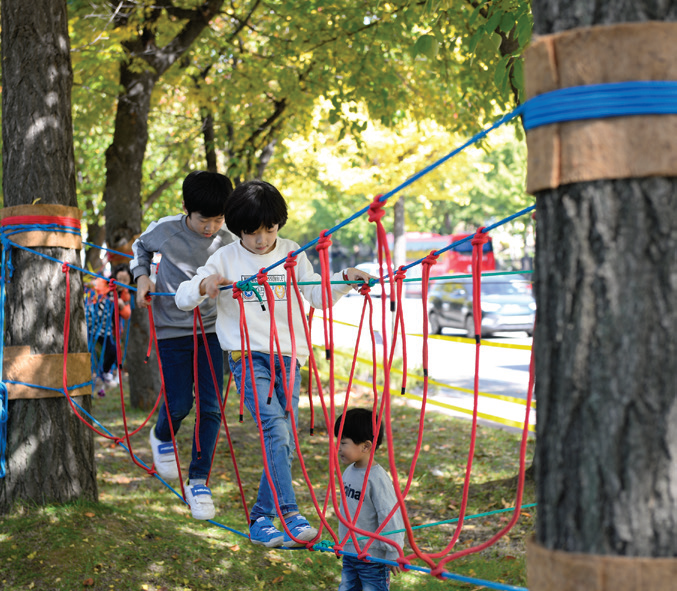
x=75, y=387
x=20, y=228
x=74, y=267
x=477, y=137
x=598, y=101
x=470, y=237
x=444, y=574
x=4, y=395
x=567, y=104
x=92, y=245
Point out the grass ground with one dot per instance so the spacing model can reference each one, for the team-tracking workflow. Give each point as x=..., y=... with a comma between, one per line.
x=140, y=535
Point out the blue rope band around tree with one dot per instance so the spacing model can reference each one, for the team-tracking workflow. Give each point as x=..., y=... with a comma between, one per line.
x=598, y=101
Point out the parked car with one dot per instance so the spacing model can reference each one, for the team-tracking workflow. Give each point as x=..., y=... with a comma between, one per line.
x=507, y=305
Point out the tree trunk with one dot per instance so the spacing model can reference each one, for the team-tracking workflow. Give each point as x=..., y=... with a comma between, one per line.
x=50, y=453
x=399, y=237
x=606, y=377
x=124, y=162
x=209, y=140
x=144, y=376
x=124, y=157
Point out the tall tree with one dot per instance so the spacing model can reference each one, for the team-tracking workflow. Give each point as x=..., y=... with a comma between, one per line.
x=606, y=377
x=38, y=166
x=146, y=60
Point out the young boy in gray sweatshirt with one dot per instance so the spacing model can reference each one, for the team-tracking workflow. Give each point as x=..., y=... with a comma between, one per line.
x=354, y=448
x=185, y=242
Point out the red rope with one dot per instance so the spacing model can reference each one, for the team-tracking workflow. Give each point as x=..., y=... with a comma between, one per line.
x=287, y=385
x=215, y=383
x=246, y=346
x=399, y=322
x=196, y=387
x=376, y=214
x=232, y=450
x=430, y=260
x=244, y=336
x=311, y=313
x=66, y=334
x=118, y=359
x=381, y=409
x=250, y=364
x=30, y=220
x=163, y=393
x=520, y=477
x=262, y=279
x=293, y=284
x=477, y=241
x=118, y=354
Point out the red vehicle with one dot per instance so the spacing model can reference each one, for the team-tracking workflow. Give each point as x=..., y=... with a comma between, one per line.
x=453, y=261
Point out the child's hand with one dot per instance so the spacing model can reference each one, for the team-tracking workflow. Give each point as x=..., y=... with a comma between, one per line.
x=396, y=570
x=354, y=274
x=143, y=286
x=210, y=285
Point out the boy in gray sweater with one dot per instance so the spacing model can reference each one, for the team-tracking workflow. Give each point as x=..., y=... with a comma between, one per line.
x=355, y=442
x=185, y=242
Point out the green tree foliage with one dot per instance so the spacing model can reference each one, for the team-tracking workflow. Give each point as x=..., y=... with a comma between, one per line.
x=261, y=66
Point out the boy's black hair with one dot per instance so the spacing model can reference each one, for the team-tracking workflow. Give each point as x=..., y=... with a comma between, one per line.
x=253, y=205
x=206, y=193
x=358, y=427
x=120, y=267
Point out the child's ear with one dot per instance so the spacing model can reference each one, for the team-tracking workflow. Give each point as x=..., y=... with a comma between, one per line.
x=367, y=446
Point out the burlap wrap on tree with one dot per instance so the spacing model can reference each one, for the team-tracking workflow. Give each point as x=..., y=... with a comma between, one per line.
x=611, y=148
x=20, y=365
x=45, y=238
x=554, y=570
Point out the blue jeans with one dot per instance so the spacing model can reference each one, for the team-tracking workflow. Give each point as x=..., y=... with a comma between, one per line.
x=176, y=356
x=364, y=576
x=278, y=435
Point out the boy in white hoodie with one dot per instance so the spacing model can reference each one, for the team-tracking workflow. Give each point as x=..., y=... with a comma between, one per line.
x=254, y=213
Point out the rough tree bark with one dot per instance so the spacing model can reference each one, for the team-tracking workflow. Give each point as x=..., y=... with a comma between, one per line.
x=606, y=377
x=124, y=157
x=50, y=453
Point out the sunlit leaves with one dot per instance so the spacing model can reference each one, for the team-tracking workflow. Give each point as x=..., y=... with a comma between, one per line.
x=394, y=62
x=327, y=178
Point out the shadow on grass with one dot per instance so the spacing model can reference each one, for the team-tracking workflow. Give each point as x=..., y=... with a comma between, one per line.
x=140, y=536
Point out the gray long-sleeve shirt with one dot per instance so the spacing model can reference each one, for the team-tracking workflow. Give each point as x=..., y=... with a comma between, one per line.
x=183, y=251
x=379, y=501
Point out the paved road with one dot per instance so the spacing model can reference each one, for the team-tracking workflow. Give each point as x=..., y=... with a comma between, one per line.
x=504, y=371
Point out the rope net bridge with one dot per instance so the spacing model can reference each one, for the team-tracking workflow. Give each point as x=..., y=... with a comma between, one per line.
x=332, y=400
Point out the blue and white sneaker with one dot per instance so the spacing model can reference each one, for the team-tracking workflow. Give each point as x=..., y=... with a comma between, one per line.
x=199, y=498
x=300, y=528
x=163, y=457
x=264, y=533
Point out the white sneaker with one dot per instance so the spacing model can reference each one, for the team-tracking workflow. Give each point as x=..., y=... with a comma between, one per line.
x=163, y=457
x=110, y=379
x=199, y=498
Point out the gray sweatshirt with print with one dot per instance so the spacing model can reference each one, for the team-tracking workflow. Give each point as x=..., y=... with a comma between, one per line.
x=379, y=500
x=183, y=251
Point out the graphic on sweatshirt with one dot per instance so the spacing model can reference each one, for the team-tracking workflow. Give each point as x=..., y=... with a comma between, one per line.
x=279, y=291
